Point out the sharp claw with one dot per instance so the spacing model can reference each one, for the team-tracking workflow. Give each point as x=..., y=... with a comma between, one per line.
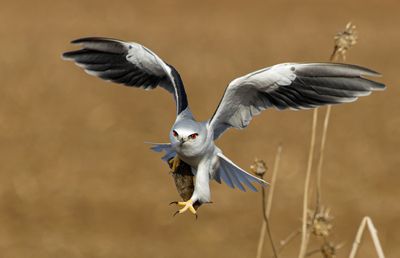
x=175, y=202
x=175, y=213
x=192, y=210
x=174, y=163
x=188, y=205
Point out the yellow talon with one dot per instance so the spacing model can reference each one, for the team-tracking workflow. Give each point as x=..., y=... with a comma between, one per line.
x=174, y=163
x=188, y=205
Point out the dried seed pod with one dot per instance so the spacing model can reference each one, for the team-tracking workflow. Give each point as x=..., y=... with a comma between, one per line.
x=344, y=40
x=259, y=168
x=329, y=250
x=321, y=222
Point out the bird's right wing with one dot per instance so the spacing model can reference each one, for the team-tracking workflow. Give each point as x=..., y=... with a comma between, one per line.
x=130, y=64
x=291, y=85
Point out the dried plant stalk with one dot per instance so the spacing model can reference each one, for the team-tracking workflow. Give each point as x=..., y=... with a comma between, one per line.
x=321, y=156
x=261, y=239
x=288, y=239
x=374, y=234
x=322, y=147
x=273, y=179
x=304, y=232
x=267, y=210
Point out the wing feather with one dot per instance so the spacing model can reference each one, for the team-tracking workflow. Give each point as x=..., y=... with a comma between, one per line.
x=290, y=85
x=130, y=64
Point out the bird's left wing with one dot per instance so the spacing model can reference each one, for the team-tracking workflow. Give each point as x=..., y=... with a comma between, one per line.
x=128, y=63
x=290, y=85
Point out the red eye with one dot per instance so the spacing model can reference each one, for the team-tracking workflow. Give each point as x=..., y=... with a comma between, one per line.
x=193, y=136
x=174, y=133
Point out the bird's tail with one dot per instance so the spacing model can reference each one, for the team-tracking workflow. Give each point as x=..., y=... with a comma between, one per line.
x=163, y=147
x=234, y=176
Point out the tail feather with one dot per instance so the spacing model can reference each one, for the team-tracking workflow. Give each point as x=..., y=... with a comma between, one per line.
x=233, y=175
x=222, y=174
x=234, y=178
x=163, y=147
x=247, y=182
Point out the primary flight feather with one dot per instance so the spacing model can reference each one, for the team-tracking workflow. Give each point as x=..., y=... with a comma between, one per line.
x=289, y=85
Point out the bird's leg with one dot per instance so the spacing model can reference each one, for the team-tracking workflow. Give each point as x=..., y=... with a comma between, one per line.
x=201, y=193
x=188, y=205
x=174, y=163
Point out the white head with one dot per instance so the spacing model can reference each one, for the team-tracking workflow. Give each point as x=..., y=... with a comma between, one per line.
x=188, y=134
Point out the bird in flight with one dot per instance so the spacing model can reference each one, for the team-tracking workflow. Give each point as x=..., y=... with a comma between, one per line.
x=283, y=86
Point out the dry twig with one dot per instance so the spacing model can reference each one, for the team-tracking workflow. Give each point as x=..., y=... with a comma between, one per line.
x=266, y=210
x=288, y=239
x=321, y=157
x=374, y=234
x=304, y=231
x=273, y=179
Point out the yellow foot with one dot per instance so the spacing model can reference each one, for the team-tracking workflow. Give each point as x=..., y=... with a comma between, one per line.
x=174, y=163
x=188, y=205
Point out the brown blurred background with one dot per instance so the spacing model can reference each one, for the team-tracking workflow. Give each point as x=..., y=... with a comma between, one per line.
x=77, y=179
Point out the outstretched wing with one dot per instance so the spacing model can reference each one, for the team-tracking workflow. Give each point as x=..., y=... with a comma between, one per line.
x=130, y=64
x=290, y=85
